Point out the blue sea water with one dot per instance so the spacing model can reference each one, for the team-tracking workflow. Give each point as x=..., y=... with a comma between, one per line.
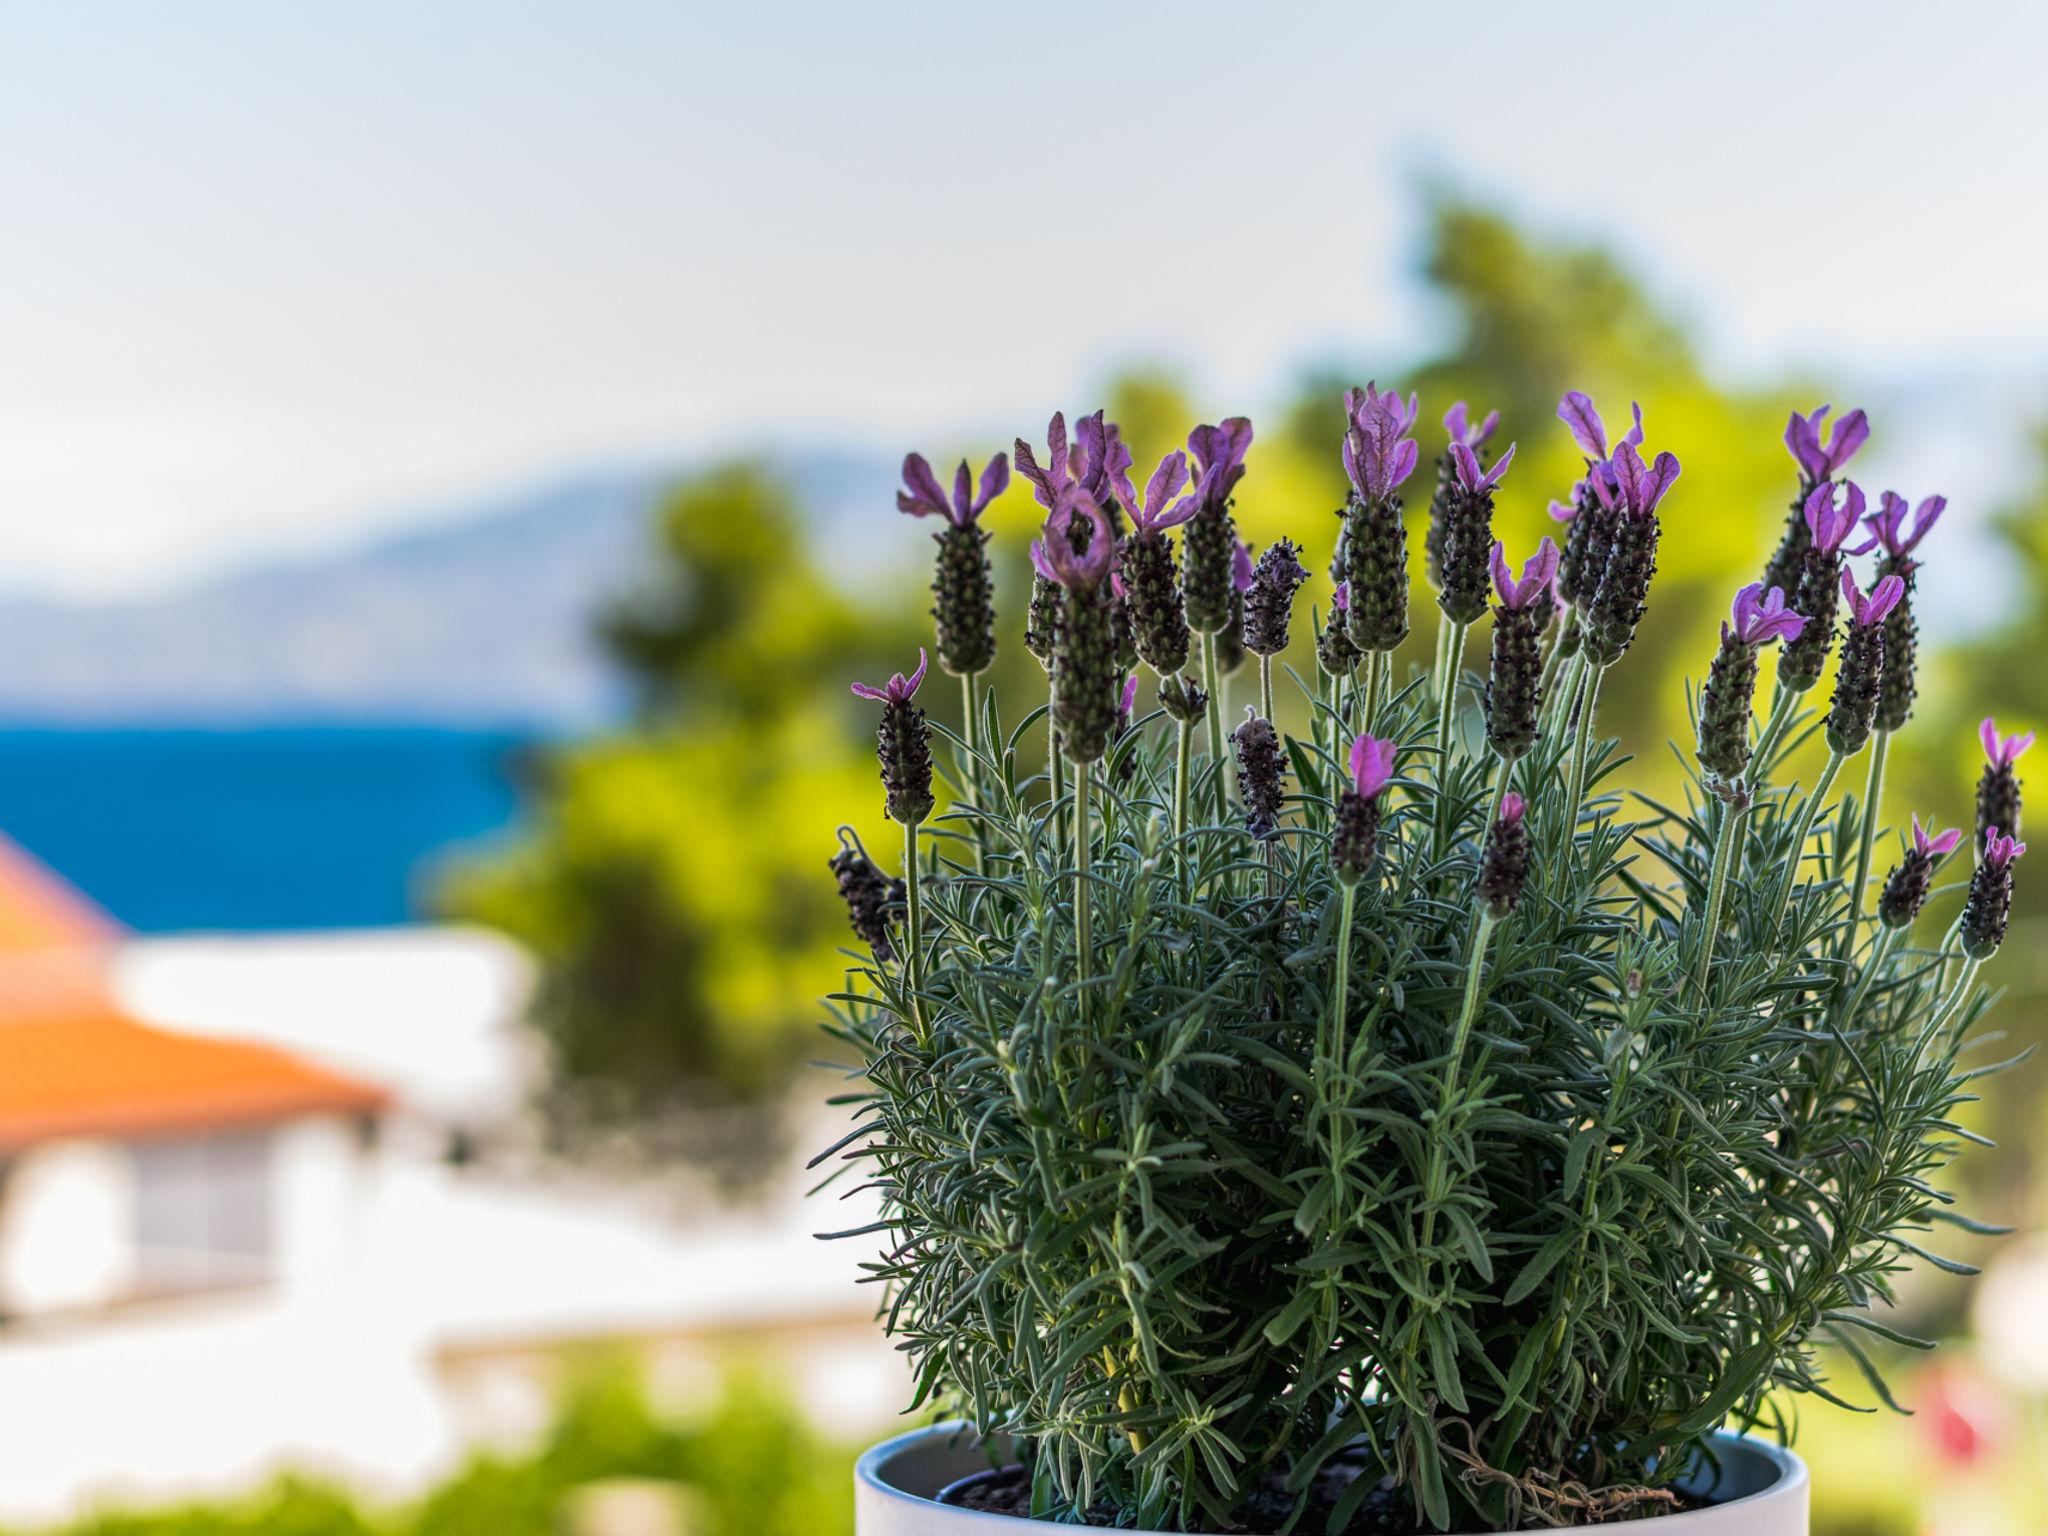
x=249, y=829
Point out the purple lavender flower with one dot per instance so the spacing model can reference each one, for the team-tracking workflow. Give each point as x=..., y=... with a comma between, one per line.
x=1471, y=476
x=2000, y=850
x=1103, y=455
x=2003, y=751
x=1504, y=860
x=1760, y=619
x=1378, y=456
x=1907, y=887
x=1818, y=462
x=1341, y=598
x=1860, y=675
x=1355, y=825
x=1458, y=425
x=903, y=746
x=923, y=498
x=1593, y=513
x=1537, y=572
x=1159, y=511
x=898, y=689
x=1616, y=607
x=1638, y=487
x=1829, y=524
x=1989, y=907
x=1998, y=790
x=1054, y=554
x=1048, y=480
x=1823, y=528
x=1514, y=681
x=1887, y=526
x=1938, y=846
x=1730, y=691
x=1372, y=764
x=1865, y=612
x=1219, y=453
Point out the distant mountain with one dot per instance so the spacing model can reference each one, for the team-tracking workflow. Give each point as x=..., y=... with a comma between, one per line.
x=482, y=621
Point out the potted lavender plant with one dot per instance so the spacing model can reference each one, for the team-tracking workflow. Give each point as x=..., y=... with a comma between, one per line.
x=1395, y=1126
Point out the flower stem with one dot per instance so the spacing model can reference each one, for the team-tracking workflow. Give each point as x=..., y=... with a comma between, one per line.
x=1054, y=766
x=1554, y=662
x=1084, y=941
x=1468, y=1010
x=970, y=732
x=1447, y=706
x=1783, y=701
x=1266, y=686
x=1964, y=981
x=1582, y=743
x=1182, y=751
x=1873, y=800
x=1806, y=820
x=1369, y=701
x=1887, y=941
x=913, y=926
x=1340, y=989
x=1732, y=817
x=1209, y=686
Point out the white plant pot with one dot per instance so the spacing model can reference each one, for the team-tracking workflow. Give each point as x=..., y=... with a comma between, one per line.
x=1760, y=1491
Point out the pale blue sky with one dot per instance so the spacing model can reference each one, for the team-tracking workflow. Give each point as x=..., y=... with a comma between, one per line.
x=273, y=275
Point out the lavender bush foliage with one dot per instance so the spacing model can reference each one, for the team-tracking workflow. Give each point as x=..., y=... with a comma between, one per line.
x=1405, y=1090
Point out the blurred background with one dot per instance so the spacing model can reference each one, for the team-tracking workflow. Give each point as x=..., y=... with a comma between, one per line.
x=447, y=460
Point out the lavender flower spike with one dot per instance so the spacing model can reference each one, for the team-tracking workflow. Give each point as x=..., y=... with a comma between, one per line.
x=1818, y=462
x=1537, y=572
x=1989, y=907
x=1760, y=619
x=1998, y=789
x=899, y=689
x=1466, y=462
x=1864, y=612
x=1457, y=423
x=1159, y=510
x=1355, y=827
x=2003, y=751
x=923, y=498
x=1912, y=878
x=1860, y=676
x=1504, y=858
x=1888, y=526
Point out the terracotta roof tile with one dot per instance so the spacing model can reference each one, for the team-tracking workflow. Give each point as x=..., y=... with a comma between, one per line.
x=91, y=1071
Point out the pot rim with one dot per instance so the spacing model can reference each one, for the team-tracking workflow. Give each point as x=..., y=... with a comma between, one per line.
x=1790, y=1482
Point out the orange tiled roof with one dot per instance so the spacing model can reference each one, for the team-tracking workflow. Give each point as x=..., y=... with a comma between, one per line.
x=39, y=911
x=90, y=1071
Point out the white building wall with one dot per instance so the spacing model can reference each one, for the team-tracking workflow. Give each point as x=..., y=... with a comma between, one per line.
x=67, y=1228
x=319, y=1174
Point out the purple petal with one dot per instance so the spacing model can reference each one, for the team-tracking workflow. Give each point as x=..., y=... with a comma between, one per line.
x=1512, y=808
x=1165, y=484
x=1635, y=433
x=1629, y=475
x=1987, y=733
x=1588, y=431
x=1500, y=467
x=1241, y=567
x=1503, y=583
x=995, y=479
x=1454, y=422
x=923, y=497
x=1658, y=482
x=1884, y=597
x=1040, y=564
x=869, y=691
x=1850, y=434
x=963, y=494
x=1466, y=463
x=1924, y=519
x=1340, y=599
x=1372, y=764
x=1486, y=428
x=1747, y=610
x=1401, y=463
x=917, y=676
